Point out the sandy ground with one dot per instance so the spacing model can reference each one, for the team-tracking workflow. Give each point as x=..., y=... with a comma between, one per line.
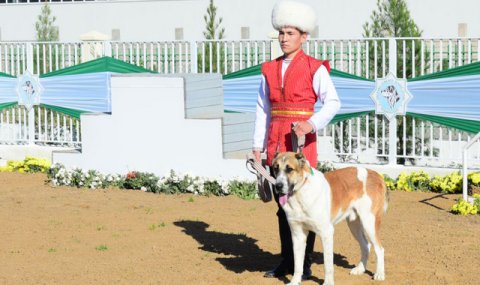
x=72, y=236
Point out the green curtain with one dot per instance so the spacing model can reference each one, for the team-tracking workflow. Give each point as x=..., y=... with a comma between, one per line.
x=460, y=124
x=70, y=112
x=251, y=71
x=256, y=70
x=346, y=116
x=66, y=111
x=103, y=64
x=7, y=105
x=469, y=69
x=6, y=75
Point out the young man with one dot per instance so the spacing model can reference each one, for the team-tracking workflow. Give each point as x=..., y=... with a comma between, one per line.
x=290, y=87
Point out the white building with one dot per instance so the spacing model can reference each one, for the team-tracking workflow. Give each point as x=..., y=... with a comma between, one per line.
x=148, y=20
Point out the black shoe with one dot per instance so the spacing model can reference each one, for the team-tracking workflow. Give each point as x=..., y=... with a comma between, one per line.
x=307, y=274
x=280, y=271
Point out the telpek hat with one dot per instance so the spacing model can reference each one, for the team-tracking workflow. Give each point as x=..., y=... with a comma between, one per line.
x=294, y=14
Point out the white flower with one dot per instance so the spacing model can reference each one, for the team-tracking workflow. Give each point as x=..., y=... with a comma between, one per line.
x=143, y=188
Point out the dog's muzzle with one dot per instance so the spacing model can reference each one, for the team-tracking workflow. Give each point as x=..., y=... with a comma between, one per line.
x=278, y=187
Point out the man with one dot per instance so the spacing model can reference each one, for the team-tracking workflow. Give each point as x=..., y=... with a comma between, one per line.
x=290, y=87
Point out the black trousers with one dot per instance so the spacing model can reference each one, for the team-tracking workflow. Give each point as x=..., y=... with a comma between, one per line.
x=286, y=240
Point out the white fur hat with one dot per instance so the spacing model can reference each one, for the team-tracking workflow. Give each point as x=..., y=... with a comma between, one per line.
x=294, y=14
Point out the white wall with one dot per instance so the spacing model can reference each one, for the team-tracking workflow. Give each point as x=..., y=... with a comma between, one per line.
x=157, y=20
x=147, y=131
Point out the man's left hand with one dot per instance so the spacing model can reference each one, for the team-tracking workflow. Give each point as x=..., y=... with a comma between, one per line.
x=302, y=128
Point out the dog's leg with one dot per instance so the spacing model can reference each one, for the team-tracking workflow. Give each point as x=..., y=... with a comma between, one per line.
x=357, y=230
x=369, y=224
x=327, y=241
x=299, y=239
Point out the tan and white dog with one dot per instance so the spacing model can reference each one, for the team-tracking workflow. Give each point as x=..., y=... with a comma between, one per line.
x=314, y=201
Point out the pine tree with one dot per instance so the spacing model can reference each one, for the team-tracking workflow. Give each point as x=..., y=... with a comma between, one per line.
x=213, y=31
x=46, y=31
x=393, y=19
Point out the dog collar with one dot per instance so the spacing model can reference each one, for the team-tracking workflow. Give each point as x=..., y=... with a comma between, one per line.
x=311, y=171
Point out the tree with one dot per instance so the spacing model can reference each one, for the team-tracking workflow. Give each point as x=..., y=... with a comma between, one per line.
x=46, y=31
x=393, y=20
x=213, y=31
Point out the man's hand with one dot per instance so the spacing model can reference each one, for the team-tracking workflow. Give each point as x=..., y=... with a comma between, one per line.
x=302, y=128
x=257, y=154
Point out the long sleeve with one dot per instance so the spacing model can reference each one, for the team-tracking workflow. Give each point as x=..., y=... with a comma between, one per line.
x=327, y=94
x=262, y=119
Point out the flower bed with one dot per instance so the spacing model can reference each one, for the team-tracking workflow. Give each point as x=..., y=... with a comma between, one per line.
x=173, y=182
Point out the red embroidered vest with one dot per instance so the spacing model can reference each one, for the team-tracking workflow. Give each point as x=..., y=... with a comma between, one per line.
x=294, y=102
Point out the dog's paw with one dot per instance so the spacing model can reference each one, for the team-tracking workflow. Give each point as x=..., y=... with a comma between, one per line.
x=328, y=282
x=295, y=280
x=359, y=270
x=379, y=276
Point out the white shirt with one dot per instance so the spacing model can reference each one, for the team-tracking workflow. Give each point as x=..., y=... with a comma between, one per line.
x=322, y=86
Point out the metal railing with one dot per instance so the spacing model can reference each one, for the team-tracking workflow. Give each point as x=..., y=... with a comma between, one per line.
x=49, y=127
x=370, y=58
x=465, y=149
x=365, y=139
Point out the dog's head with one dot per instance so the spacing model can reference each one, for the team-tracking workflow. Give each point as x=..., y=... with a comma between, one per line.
x=290, y=170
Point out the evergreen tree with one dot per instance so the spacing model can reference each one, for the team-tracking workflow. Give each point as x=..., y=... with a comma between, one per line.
x=213, y=31
x=392, y=19
x=46, y=31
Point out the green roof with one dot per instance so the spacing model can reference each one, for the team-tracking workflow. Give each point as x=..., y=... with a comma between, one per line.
x=103, y=64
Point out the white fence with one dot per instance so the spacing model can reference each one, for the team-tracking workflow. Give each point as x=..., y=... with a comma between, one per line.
x=364, y=57
x=369, y=58
x=49, y=127
x=365, y=139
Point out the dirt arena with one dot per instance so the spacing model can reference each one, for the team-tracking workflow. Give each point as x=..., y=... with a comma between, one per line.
x=72, y=236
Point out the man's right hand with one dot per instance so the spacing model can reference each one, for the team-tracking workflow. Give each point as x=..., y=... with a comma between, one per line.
x=257, y=154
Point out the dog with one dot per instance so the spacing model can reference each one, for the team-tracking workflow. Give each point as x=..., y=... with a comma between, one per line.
x=392, y=96
x=314, y=201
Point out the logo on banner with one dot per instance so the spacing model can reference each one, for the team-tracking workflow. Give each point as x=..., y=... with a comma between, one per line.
x=28, y=90
x=391, y=96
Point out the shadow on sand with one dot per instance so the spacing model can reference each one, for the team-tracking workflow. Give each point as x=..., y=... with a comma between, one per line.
x=242, y=252
x=427, y=201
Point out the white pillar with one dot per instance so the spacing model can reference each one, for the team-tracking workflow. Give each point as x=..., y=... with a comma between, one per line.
x=193, y=57
x=29, y=55
x=31, y=112
x=392, y=126
x=31, y=126
x=465, y=176
x=107, y=48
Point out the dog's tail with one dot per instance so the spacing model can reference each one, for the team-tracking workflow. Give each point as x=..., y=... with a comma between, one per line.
x=386, y=198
